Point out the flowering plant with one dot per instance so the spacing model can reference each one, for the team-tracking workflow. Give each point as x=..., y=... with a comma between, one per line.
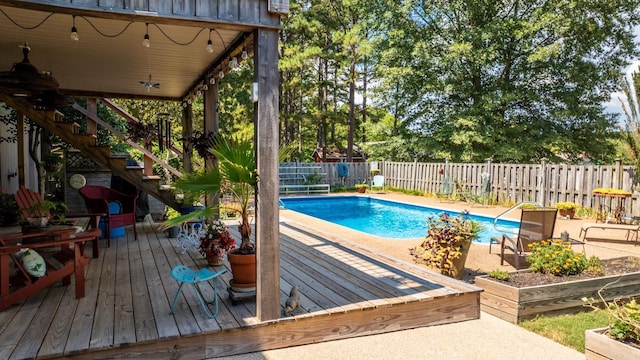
x=215, y=240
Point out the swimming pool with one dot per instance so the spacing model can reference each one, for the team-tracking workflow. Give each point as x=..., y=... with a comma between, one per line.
x=384, y=218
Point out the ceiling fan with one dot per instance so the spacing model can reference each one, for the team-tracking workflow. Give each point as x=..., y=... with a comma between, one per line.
x=150, y=84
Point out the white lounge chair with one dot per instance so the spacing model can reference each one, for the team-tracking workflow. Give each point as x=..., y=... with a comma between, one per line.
x=632, y=230
x=377, y=184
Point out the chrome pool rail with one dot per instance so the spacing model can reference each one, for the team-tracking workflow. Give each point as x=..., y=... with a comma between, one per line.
x=508, y=211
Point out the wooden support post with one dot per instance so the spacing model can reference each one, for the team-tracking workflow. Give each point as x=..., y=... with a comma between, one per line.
x=187, y=131
x=92, y=107
x=211, y=124
x=267, y=142
x=21, y=144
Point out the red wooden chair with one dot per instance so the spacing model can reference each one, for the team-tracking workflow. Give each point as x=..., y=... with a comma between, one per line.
x=97, y=199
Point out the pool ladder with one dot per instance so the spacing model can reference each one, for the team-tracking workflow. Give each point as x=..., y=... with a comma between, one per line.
x=510, y=210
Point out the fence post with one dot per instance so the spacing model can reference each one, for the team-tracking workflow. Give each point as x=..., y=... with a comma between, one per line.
x=543, y=182
x=618, y=174
x=415, y=172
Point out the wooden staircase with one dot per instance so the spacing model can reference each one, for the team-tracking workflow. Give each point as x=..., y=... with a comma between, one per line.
x=70, y=132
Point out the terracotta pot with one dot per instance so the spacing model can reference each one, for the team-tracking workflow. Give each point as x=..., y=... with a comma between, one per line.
x=215, y=260
x=243, y=268
x=568, y=212
x=362, y=190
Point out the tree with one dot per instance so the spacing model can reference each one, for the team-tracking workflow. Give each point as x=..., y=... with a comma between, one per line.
x=509, y=79
x=630, y=107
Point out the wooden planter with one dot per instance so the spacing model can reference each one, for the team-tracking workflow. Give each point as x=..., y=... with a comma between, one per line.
x=599, y=346
x=517, y=304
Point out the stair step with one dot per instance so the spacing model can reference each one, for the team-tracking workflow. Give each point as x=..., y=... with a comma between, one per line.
x=151, y=177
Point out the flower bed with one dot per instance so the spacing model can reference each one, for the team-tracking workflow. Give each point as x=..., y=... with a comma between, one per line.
x=516, y=304
x=599, y=346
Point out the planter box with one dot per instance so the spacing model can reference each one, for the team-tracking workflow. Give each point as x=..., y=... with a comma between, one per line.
x=518, y=304
x=598, y=346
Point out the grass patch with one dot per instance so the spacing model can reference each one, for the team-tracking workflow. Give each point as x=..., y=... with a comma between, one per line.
x=568, y=330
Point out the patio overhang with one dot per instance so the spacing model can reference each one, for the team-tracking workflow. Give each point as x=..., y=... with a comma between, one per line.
x=109, y=59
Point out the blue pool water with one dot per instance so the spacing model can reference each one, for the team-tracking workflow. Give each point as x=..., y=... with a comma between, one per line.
x=389, y=219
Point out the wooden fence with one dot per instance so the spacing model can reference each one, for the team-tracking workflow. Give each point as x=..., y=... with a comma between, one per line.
x=545, y=183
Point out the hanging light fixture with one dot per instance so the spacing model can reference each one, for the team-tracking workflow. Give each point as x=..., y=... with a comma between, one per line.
x=146, y=43
x=212, y=80
x=221, y=74
x=210, y=44
x=205, y=87
x=233, y=62
x=24, y=79
x=245, y=54
x=74, y=30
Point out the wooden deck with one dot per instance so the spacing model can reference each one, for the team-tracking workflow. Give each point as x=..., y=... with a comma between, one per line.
x=125, y=313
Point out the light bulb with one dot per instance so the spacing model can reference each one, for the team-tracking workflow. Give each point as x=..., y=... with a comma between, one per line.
x=199, y=92
x=74, y=34
x=189, y=101
x=146, y=43
x=245, y=54
x=74, y=31
x=184, y=104
x=212, y=80
x=233, y=63
x=210, y=46
x=205, y=87
x=221, y=74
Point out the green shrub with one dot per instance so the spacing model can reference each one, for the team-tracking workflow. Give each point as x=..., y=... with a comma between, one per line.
x=556, y=258
x=499, y=274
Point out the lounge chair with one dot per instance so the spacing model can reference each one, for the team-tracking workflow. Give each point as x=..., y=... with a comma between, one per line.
x=377, y=184
x=97, y=199
x=535, y=225
x=632, y=230
x=446, y=189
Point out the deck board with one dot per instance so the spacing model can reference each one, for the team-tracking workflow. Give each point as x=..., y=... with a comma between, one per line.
x=129, y=290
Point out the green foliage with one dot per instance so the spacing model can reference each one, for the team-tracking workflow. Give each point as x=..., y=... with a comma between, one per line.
x=567, y=205
x=499, y=274
x=556, y=258
x=594, y=266
x=313, y=179
x=625, y=313
x=447, y=238
x=361, y=186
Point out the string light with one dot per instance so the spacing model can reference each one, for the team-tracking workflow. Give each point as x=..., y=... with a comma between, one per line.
x=233, y=62
x=245, y=54
x=146, y=43
x=221, y=74
x=74, y=31
x=212, y=80
x=205, y=87
x=210, y=44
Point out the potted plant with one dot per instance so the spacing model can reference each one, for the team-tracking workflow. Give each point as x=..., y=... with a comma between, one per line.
x=215, y=242
x=52, y=162
x=234, y=174
x=567, y=209
x=362, y=188
x=171, y=214
x=621, y=339
x=447, y=243
x=39, y=212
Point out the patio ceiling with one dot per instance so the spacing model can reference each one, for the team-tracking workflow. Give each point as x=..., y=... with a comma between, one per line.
x=114, y=64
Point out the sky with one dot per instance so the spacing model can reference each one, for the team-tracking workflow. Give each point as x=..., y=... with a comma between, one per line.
x=613, y=105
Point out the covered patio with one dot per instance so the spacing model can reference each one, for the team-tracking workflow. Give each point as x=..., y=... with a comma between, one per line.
x=345, y=292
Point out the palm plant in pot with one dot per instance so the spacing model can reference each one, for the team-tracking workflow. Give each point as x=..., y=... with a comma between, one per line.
x=236, y=174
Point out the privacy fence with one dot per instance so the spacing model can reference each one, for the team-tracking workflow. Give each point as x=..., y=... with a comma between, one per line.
x=545, y=183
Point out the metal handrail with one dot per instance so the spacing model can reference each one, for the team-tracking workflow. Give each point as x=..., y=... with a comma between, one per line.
x=508, y=211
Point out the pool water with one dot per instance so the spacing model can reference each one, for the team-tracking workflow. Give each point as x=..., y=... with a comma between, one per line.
x=384, y=218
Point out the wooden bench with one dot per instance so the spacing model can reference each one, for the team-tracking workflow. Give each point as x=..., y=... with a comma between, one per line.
x=66, y=261
x=305, y=189
x=632, y=230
